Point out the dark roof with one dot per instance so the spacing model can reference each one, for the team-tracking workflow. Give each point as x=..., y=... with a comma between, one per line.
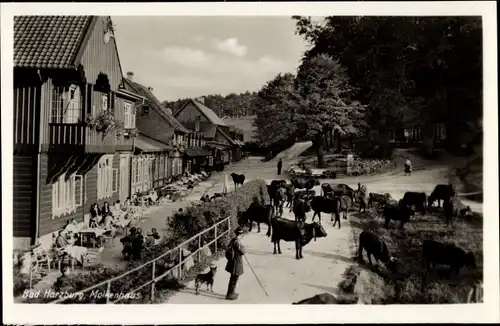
x=155, y=104
x=211, y=116
x=149, y=145
x=48, y=41
x=227, y=136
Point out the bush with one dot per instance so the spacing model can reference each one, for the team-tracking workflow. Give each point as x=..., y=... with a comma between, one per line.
x=193, y=220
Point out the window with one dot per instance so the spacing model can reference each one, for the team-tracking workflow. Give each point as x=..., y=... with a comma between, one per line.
x=104, y=103
x=67, y=195
x=197, y=123
x=440, y=131
x=129, y=122
x=145, y=110
x=107, y=177
x=66, y=104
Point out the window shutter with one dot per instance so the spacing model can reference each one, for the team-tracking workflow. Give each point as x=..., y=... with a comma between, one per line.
x=115, y=180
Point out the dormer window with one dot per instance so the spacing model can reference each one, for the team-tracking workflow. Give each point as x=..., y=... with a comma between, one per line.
x=146, y=110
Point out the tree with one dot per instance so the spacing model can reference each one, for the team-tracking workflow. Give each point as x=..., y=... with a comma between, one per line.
x=309, y=105
x=325, y=103
x=274, y=106
x=430, y=67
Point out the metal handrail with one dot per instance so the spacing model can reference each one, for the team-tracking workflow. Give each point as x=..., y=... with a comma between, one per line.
x=154, y=279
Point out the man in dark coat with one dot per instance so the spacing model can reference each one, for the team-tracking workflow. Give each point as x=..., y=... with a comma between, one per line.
x=235, y=265
x=280, y=165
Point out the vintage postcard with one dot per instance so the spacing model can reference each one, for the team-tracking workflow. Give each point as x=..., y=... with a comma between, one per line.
x=180, y=158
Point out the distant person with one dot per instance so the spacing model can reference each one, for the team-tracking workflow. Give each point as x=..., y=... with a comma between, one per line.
x=280, y=165
x=408, y=166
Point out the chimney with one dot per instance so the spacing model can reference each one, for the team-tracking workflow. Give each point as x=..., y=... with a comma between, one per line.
x=130, y=75
x=201, y=99
x=150, y=88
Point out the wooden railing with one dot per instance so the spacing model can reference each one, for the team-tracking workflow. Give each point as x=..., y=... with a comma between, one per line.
x=177, y=251
x=80, y=134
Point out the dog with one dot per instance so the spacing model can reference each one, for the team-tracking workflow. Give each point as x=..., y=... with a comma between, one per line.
x=206, y=278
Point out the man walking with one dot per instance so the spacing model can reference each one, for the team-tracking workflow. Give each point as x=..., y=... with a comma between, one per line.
x=234, y=255
x=280, y=165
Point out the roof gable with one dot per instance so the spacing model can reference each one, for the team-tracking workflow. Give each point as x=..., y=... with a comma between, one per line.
x=155, y=104
x=207, y=112
x=50, y=42
x=231, y=141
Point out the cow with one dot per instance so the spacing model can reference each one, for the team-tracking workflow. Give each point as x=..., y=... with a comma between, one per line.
x=326, y=189
x=238, y=179
x=272, y=189
x=417, y=199
x=381, y=199
x=375, y=246
x=289, y=193
x=258, y=213
x=337, y=190
x=438, y=253
x=304, y=183
x=346, y=204
x=329, y=205
x=441, y=192
x=299, y=232
x=300, y=207
x=399, y=212
x=362, y=198
x=453, y=207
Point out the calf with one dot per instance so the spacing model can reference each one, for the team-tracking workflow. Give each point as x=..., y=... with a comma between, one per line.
x=375, y=246
x=380, y=199
x=437, y=253
x=417, y=199
x=346, y=205
x=441, y=192
x=399, y=212
x=238, y=179
x=300, y=207
x=453, y=207
x=258, y=213
x=329, y=205
x=299, y=232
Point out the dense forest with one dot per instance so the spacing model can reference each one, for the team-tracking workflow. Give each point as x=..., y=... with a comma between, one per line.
x=232, y=105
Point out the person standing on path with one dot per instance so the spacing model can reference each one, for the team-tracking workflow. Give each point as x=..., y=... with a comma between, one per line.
x=280, y=165
x=234, y=255
x=408, y=166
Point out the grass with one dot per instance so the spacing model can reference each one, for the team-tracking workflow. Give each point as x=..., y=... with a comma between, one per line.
x=411, y=284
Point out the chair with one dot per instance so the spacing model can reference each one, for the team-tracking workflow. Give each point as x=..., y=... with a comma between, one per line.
x=93, y=257
x=42, y=259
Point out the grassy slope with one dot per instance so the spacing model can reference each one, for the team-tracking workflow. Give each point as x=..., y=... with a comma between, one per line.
x=411, y=285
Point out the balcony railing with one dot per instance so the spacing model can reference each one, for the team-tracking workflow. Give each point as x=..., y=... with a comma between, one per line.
x=81, y=135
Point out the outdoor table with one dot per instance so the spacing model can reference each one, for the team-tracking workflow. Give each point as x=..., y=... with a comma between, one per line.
x=97, y=232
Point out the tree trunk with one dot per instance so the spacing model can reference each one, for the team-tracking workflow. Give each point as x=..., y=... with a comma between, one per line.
x=331, y=138
x=318, y=142
x=339, y=144
x=327, y=146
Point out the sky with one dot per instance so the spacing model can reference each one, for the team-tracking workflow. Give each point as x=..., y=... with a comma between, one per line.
x=191, y=56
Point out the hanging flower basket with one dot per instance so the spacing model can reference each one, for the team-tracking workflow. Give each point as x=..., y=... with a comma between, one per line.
x=131, y=132
x=105, y=122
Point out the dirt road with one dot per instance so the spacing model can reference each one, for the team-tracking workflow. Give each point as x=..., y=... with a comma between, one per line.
x=286, y=279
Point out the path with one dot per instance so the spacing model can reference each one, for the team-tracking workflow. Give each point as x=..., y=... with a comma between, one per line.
x=287, y=280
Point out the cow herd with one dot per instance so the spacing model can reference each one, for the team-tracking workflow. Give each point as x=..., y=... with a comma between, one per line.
x=339, y=199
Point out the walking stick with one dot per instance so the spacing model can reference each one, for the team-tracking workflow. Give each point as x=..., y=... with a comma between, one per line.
x=255, y=276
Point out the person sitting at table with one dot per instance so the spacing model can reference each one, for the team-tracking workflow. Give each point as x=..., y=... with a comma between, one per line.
x=71, y=227
x=95, y=215
x=109, y=224
x=61, y=240
x=106, y=210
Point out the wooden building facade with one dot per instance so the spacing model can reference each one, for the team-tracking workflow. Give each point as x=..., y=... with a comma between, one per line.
x=68, y=92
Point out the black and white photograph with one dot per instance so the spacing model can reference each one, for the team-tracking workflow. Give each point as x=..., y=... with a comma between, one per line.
x=259, y=157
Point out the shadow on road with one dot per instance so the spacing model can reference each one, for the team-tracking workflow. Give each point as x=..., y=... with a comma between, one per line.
x=269, y=253
x=205, y=293
x=328, y=256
